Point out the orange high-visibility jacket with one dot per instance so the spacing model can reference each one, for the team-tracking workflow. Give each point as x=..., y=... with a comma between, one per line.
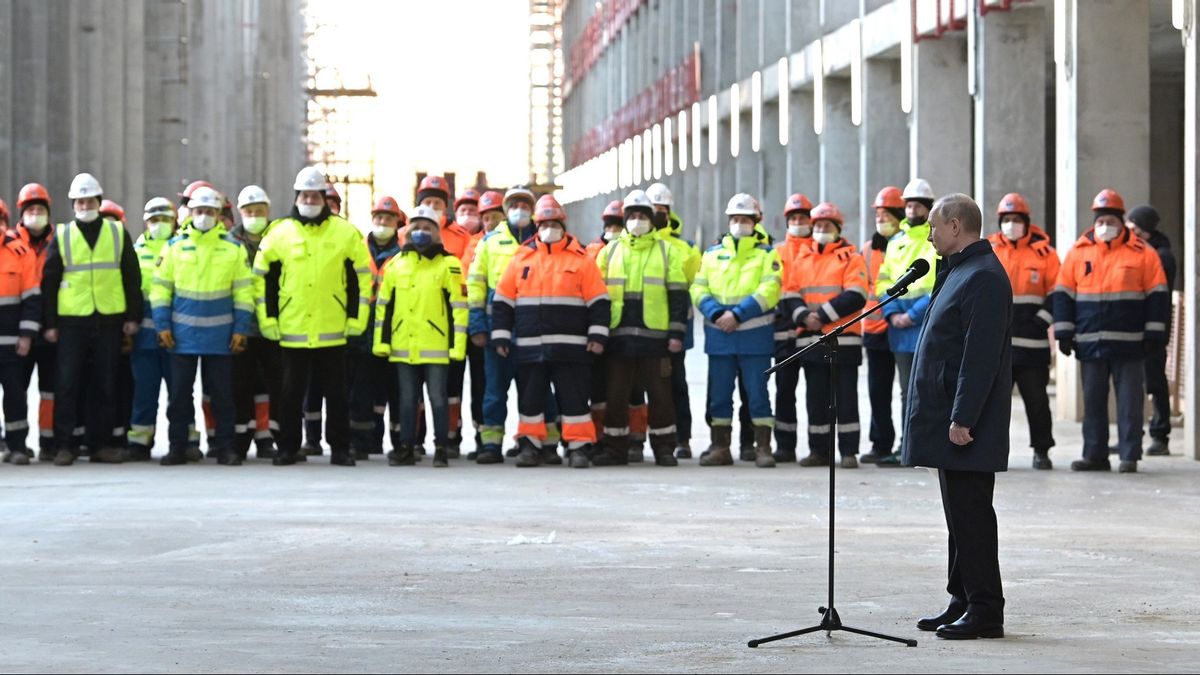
x=1032, y=265
x=833, y=285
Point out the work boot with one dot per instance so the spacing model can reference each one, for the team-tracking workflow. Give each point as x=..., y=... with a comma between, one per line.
x=212, y=453
x=108, y=456
x=341, y=457
x=891, y=461
x=637, y=453
x=1158, y=448
x=174, y=457
x=785, y=455
x=138, y=454
x=402, y=456
x=1127, y=466
x=513, y=451
x=746, y=453
x=312, y=449
x=283, y=458
x=872, y=457
x=194, y=455
x=719, y=454
x=229, y=457
x=1089, y=465
x=550, y=456
x=530, y=455
x=1041, y=460
x=265, y=450
x=612, y=451
x=665, y=457
x=472, y=455
x=813, y=459
x=762, y=447
x=849, y=462
x=684, y=451
x=64, y=458
x=452, y=452
x=489, y=455
x=579, y=459
x=46, y=455
x=440, y=457
x=361, y=455
x=18, y=458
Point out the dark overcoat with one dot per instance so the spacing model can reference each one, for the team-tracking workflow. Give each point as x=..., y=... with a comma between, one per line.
x=962, y=370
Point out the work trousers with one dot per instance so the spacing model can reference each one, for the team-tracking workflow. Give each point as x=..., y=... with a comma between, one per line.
x=816, y=386
x=904, y=364
x=974, y=560
x=571, y=388
x=256, y=383
x=44, y=358
x=1128, y=377
x=653, y=376
x=433, y=378
x=1032, y=382
x=500, y=371
x=1159, y=391
x=326, y=367
x=151, y=370
x=881, y=376
x=217, y=374
x=16, y=403
x=787, y=380
x=96, y=348
x=723, y=369
x=681, y=398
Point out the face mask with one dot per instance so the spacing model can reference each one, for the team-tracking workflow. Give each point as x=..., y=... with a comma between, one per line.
x=637, y=226
x=917, y=221
x=550, y=235
x=739, y=231
x=384, y=234
x=467, y=220
x=518, y=217
x=660, y=220
x=87, y=216
x=184, y=212
x=609, y=235
x=254, y=224
x=420, y=238
x=824, y=237
x=35, y=223
x=309, y=210
x=1012, y=231
x=800, y=230
x=160, y=230
x=886, y=229
x=203, y=223
x=1107, y=232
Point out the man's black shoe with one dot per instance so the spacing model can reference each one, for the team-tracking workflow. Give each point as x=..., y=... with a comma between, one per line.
x=970, y=627
x=953, y=613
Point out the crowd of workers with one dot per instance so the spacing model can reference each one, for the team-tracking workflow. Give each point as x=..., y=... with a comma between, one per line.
x=298, y=321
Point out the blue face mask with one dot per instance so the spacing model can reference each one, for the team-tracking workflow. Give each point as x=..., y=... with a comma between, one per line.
x=420, y=238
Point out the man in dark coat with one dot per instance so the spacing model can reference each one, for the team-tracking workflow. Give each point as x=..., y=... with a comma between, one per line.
x=959, y=409
x=1143, y=220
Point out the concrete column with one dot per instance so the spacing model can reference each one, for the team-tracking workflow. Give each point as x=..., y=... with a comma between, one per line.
x=1101, y=140
x=31, y=88
x=7, y=104
x=108, y=107
x=1191, y=243
x=804, y=147
x=1010, y=115
x=60, y=102
x=133, y=122
x=883, y=138
x=940, y=123
x=840, y=156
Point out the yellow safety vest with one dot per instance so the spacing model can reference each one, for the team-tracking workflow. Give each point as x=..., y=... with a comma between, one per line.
x=91, y=281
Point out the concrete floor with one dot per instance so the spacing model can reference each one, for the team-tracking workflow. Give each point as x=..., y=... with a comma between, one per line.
x=320, y=568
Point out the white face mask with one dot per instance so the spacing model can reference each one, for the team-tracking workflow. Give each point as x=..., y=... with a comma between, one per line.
x=87, y=216
x=309, y=210
x=160, y=230
x=609, y=235
x=1012, y=231
x=800, y=230
x=382, y=233
x=35, y=222
x=518, y=217
x=638, y=226
x=824, y=237
x=184, y=212
x=888, y=229
x=204, y=223
x=550, y=235
x=254, y=224
x=466, y=220
x=1107, y=232
x=741, y=230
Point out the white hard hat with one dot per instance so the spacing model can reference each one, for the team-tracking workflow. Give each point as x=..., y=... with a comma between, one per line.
x=206, y=196
x=423, y=212
x=252, y=194
x=918, y=188
x=519, y=191
x=310, y=178
x=742, y=204
x=638, y=199
x=83, y=186
x=660, y=195
x=159, y=206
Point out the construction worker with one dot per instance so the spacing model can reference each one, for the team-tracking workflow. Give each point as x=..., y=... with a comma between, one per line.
x=466, y=212
x=1032, y=266
x=20, y=323
x=184, y=211
x=491, y=214
x=113, y=210
x=35, y=229
x=881, y=362
x=151, y=363
x=1111, y=306
x=553, y=304
x=202, y=302
x=421, y=327
x=833, y=287
x=371, y=382
x=905, y=315
x=612, y=225
x=612, y=220
x=1143, y=221
x=736, y=291
x=669, y=227
x=649, y=304
x=312, y=290
x=492, y=258
x=797, y=213
x=92, y=292
x=334, y=199
x=256, y=376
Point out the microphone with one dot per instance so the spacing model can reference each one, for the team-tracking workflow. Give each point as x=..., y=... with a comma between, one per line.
x=919, y=269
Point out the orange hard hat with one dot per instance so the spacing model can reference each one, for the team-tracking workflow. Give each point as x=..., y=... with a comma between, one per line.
x=332, y=193
x=33, y=192
x=433, y=186
x=386, y=204
x=1108, y=199
x=1013, y=202
x=796, y=202
x=827, y=211
x=469, y=196
x=889, y=197
x=193, y=186
x=491, y=201
x=110, y=208
x=548, y=208
x=615, y=209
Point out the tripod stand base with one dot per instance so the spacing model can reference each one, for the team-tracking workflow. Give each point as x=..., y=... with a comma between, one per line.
x=830, y=621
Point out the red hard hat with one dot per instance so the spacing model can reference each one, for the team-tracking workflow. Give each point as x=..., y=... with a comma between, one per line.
x=468, y=196
x=615, y=209
x=433, y=186
x=110, y=208
x=548, y=208
x=1013, y=202
x=796, y=202
x=491, y=201
x=1108, y=199
x=332, y=193
x=193, y=186
x=33, y=192
x=889, y=198
x=386, y=204
x=827, y=211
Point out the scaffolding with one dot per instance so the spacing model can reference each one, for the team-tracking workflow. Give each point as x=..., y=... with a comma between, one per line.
x=545, y=90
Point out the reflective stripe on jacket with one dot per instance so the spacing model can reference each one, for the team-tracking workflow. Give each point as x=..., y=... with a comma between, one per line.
x=1032, y=266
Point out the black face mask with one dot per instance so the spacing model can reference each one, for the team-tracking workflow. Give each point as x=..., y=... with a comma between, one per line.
x=918, y=221
x=659, y=220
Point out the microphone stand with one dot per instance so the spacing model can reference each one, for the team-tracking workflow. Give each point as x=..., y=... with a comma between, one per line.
x=830, y=621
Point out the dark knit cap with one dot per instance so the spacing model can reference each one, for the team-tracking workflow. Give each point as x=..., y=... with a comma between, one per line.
x=1144, y=216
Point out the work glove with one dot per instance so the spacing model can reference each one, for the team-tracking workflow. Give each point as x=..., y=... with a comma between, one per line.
x=237, y=344
x=1066, y=346
x=166, y=339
